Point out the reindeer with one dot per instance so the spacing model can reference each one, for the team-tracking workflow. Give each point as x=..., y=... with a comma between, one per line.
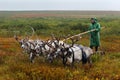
x=47, y=48
x=28, y=45
x=73, y=53
x=43, y=48
x=55, y=42
x=22, y=42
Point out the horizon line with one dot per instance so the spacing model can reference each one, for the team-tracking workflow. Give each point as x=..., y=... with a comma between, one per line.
x=59, y=10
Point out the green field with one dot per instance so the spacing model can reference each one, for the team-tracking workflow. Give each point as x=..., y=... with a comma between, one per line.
x=14, y=65
x=46, y=22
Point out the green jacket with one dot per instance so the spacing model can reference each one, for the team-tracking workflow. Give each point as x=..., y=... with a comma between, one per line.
x=95, y=35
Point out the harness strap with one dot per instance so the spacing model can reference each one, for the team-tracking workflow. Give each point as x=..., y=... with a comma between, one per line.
x=70, y=53
x=73, y=55
x=84, y=56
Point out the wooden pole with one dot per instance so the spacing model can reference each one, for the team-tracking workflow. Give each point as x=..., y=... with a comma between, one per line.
x=80, y=34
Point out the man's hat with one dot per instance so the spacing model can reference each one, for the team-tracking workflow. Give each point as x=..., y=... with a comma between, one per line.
x=95, y=19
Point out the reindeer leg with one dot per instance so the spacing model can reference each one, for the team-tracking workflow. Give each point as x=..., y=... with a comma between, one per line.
x=64, y=61
x=72, y=64
x=73, y=60
x=89, y=61
x=32, y=56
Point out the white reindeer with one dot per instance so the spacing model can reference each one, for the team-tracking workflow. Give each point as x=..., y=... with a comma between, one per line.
x=46, y=48
x=71, y=53
x=28, y=46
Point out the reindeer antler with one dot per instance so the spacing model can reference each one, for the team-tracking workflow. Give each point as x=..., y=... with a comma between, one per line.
x=16, y=38
x=73, y=41
x=33, y=31
x=53, y=36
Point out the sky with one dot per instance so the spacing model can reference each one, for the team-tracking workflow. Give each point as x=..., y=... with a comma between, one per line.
x=113, y=5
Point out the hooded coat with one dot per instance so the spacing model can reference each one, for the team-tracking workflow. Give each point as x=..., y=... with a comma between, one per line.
x=95, y=35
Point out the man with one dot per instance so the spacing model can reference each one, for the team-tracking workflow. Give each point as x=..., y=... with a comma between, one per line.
x=94, y=35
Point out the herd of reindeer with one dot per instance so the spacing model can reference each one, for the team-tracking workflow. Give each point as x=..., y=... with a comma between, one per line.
x=56, y=49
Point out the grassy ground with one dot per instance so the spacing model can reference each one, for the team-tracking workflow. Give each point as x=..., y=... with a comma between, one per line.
x=14, y=65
